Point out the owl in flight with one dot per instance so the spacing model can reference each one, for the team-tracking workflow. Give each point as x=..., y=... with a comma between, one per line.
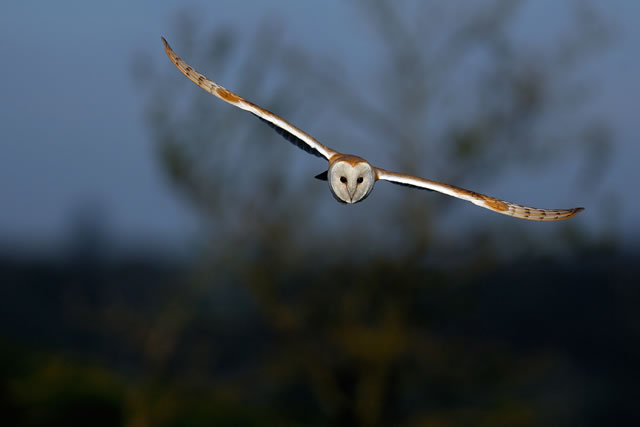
x=351, y=178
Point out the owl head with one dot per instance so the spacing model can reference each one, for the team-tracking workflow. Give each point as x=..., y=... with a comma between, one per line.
x=351, y=178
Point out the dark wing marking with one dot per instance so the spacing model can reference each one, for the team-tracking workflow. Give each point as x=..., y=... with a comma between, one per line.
x=324, y=176
x=404, y=184
x=292, y=138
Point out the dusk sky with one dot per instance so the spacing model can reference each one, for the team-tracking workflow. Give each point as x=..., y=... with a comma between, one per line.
x=73, y=136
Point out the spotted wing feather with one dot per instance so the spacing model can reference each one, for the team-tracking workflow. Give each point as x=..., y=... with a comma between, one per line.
x=290, y=132
x=482, y=200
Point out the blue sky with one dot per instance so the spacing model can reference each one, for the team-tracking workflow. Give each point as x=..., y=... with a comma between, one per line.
x=73, y=135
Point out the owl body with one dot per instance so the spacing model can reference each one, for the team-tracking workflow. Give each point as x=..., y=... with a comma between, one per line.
x=351, y=178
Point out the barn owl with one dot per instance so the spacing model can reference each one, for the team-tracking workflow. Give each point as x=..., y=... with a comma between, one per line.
x=351, y=178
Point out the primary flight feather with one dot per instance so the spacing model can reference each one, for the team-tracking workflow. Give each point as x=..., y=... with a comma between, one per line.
x=351, y=178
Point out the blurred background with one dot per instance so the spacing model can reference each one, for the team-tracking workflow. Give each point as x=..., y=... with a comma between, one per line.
x=169, y=260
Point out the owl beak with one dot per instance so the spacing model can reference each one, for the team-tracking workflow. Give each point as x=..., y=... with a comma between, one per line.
x=351, y=190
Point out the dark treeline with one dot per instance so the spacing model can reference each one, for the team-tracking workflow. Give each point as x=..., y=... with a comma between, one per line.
x=529, y=342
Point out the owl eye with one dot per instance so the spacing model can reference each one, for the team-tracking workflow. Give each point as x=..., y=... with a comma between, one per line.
x=343, y=179
x=360, y=179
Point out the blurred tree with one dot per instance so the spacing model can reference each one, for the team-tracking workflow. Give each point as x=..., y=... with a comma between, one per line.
x=336, y=313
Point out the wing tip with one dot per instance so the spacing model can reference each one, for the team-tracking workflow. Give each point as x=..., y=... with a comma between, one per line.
x=167, y=47
x=568, y=213
x=559, y=215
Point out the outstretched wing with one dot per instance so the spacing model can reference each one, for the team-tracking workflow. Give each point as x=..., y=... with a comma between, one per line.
x=478, y=199
x=287, y=130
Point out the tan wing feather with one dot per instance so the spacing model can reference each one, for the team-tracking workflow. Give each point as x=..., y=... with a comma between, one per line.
x=482, y=200
x=233, y=99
